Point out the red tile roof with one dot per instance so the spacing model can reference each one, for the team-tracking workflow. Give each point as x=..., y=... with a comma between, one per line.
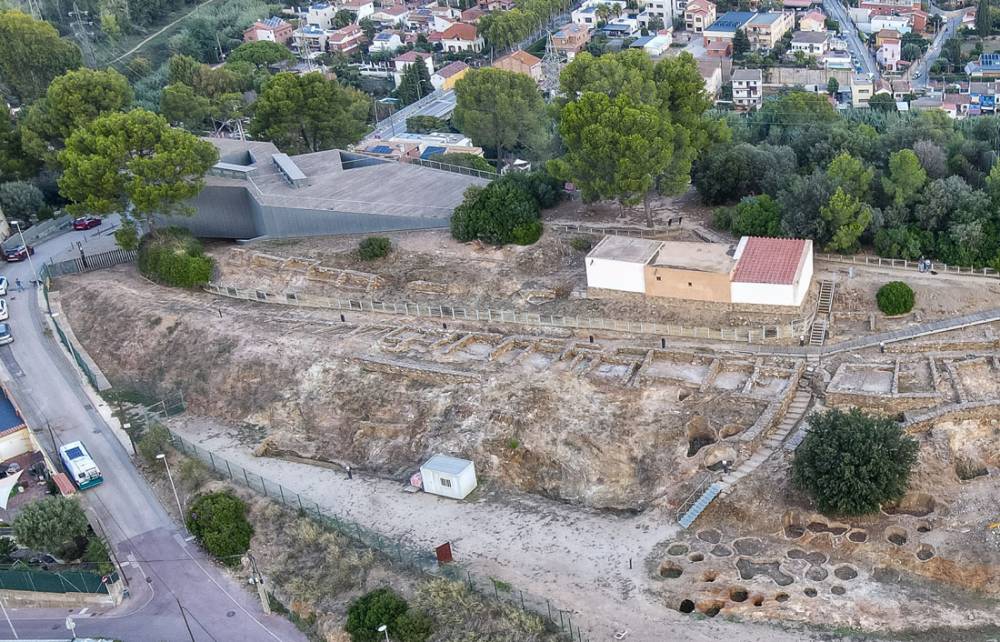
x=63, y=483
x=451, y=69
x=411, y=56
x=460, y=31
x=769, y=260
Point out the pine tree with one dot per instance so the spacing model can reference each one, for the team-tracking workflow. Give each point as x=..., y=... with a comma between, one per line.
x=984, y=20
x=415, y=83
x=741, y=44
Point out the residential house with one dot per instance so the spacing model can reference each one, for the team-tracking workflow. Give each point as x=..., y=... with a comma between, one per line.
x=472, y=15
x=885, y=34
x=814, y=20
x=886, y=7
x=766, y=29
x=901, y=89
x=862, y=90
x=811, y=43
x=711, y=73
x=570, y=40
x=988, y=66
x=698, y=14
x=586, y=14
x=748, y=86
x=309, y=41
x=956, y=105
x=678, y=7
x=269, y=30
x=428, y=145
x=521, y=62
x=624, y=26
x=918, y=19
x=346, y=40
x=320, y=15
x=797, y=6
x=410, y=57
x=969, y=18
x=395, y=16
x=420, y=20
x=723, y=30
x=446, y=77
x=888, y=54
x=860, y=16
x=461, y=37
x=655, y=45
x=360, y=8
x=899, y=24
x=837, y=59
x=386, y=41
x=982, y=98
x=662, y=9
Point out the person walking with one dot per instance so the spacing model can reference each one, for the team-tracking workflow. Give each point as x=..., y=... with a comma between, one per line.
x=20, y=286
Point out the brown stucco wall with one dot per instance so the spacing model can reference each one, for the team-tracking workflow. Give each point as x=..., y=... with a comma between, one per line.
x=705, y=286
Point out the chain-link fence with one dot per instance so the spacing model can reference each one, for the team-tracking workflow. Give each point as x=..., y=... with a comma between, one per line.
x=755, y=334
x=45, y=276
x=18, y=577
x=393, y=550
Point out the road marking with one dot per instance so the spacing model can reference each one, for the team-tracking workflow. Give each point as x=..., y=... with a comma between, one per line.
x=83, y=611
x=9, y=623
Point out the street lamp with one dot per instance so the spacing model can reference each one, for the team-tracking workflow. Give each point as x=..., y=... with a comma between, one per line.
x=31, y=263
x=163, y=458
x=384, y=629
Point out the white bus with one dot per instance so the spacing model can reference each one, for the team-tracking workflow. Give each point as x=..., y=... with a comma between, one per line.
x=79, y=466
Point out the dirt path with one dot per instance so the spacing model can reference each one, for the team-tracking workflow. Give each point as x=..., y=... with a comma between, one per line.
x=577, y=558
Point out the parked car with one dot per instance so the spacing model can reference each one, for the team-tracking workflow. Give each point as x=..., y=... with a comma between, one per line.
x=3, y=310
x=86, y=223
x=18, y=253
x=5, y=335
x=3, y=286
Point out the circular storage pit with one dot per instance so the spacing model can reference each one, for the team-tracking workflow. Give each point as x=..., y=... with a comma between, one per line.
x=757, y=600
x=925, y=552
x=817, y=574
x=709, y=576
x=781, y=597
x=845, y=572
x=795, y=554
x=670, y=570
x=710, y=535
x=686, y=606
x=896, y=535
x=738, y=594
x=721, y=551
x=696, y=557
x=677, y=549
x=838, y=590
x=858, y=537
x=810, y=592
x=710, y=608
x=748, y=545
x=924, y=527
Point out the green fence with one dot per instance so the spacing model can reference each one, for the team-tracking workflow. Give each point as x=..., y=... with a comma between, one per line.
x=394, y=550
x=28, y=579
x=45, y=277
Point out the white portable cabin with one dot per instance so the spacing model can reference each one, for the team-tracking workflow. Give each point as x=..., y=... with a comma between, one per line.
x=448, y=476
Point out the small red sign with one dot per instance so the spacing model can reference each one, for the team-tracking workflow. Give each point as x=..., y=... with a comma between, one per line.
x=443, y=553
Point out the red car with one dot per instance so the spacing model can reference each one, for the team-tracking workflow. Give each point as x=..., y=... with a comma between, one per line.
x=18, y=253
x=86, y=223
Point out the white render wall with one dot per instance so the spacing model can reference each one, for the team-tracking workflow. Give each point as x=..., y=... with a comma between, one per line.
x=616, y=275
x=790, y=294
x=460, y=485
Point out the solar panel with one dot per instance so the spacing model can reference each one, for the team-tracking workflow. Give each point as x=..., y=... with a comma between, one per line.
x=74, y=453
x=380, y=149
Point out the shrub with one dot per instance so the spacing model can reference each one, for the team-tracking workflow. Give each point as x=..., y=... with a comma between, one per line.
x=193, y=474
x=426, y=124
x=7, y=546
x=50, y=523
x=413, y=626
x=464, y=160
x=581, y=244
x=97, y=554
x=368, y=612
x=174, y=257
x=220, y=523
x=546, y=188
x=850, y=463
x=153, y=442
x=492, y=213
x=374, y=247
x=527, y=234
x=895, y=298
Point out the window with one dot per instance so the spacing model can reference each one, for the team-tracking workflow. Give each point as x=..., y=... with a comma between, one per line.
x=689, y=284
x=659, y=278
x=446, y=482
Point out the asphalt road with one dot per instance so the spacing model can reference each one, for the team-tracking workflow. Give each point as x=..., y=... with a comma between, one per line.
x=835, y=9
x=166, y=573
x=919, y=71
x=439, y=104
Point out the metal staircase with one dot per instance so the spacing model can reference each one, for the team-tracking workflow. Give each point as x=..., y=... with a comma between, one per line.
x=701, y=504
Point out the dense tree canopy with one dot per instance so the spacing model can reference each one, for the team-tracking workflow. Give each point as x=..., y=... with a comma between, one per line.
x=48, y=524
x=309, y=113
x=32, y=54
x=912, y=184
x=260, y=54
x=499, y=110
x=136, y=159
x=72, y=101
x=20, y=201
x=851, y=463
x=414, y=84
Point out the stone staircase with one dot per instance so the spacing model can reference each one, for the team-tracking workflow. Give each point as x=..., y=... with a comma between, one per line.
x=826, y=289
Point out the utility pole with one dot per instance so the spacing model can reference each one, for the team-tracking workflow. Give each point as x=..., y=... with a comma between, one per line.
x=81, y=26
x=258, y=579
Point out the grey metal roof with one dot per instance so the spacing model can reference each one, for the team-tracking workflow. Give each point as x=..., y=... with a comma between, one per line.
x=447, y=465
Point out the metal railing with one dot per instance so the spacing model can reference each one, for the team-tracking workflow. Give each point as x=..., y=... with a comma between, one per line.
x=611, y=230
x=92, y=262
x=393, y=550
x=44, y=277
x=430, y=164
x=904, y=264
x=757, y=334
